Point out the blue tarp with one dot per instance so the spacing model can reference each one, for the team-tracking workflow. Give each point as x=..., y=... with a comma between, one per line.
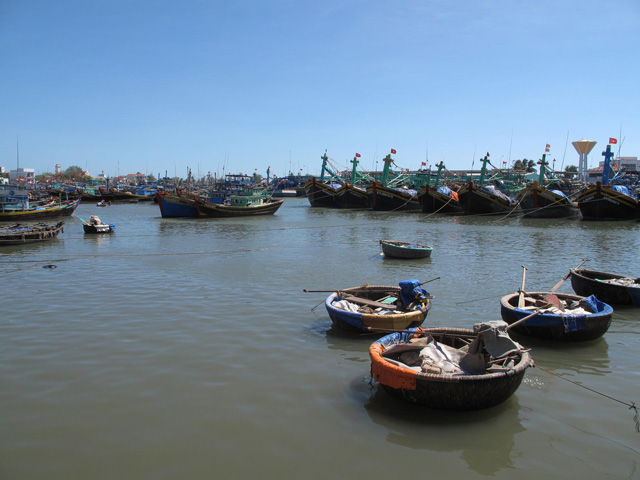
x=411, y=292
x=622, y=189
x=444, y=190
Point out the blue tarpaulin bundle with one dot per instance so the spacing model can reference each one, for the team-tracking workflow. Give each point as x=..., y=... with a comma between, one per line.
x=411, y=292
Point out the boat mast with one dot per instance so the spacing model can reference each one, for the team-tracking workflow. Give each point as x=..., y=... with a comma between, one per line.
x=324, y=165
x=440, y=168
x=385, y=171
x=543, y=163
x=353, y=170
x=483, y=171
x=607, y=161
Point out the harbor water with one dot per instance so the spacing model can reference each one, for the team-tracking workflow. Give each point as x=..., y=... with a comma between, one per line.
x=187, y=349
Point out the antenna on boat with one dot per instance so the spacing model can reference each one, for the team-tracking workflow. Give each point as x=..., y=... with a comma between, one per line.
x=565, y=150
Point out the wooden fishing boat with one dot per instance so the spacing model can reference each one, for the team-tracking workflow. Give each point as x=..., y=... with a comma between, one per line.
x=392, y=248
x=537, y=200
x=20, y=234
x=251, y=203
x=606, y=202
x=485, y=200
x=321, y=194
x=540, y=202
x=176, y=205
x=439, y=200
x=39, y=212
x=362, y=309
x=603, y=201
x=450, y=368
x=96, y=226
x=561, y=317
x=608, y=287
x=386, y=198
x=481, y=199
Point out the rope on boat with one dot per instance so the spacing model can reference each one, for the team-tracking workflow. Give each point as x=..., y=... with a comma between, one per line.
x=632, y=405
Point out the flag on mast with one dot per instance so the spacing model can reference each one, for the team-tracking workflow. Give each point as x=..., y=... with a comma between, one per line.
x=393, y=150
x=613, y=141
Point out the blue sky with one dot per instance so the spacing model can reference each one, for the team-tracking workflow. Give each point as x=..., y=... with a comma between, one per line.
x=125, y=86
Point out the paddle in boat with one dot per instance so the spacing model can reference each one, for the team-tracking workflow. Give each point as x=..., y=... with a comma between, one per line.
x=608, y=287
x=19, y=234
x=369, y=307
x=450, y=368
x=95, y=225
x=392, y=248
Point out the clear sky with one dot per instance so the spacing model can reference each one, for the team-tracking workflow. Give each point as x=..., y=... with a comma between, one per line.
x=126, y=86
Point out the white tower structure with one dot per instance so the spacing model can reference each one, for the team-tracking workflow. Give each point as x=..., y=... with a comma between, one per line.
x=583, y=147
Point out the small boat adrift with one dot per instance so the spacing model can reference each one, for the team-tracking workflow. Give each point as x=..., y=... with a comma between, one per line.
x=95, y=225
x=450, y=368
x=561, y=316
x=371, y=307
x=392, y=248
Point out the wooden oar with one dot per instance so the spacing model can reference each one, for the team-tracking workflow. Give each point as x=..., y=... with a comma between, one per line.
x=364, y=287
x=522, y=320
x=553, y=299
x=559, y=284
x=521, y=296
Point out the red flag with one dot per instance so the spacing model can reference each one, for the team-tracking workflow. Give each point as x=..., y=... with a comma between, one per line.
x=393, y=150
x=546, y=150
x=357, y=154
x=487, y=154
x=613, y=141
x=424, y=164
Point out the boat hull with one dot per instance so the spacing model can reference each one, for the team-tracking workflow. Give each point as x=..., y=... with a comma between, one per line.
x=214, y=210
x=350, y=196
x=440, y=391
x=600, y=202
x=364, y=322
x=98, y=229
x=557, y=327
x=22, y=234
x=540, y=202
x=391, y=199
x=320, y=194
x=405, y=250
x=589, y=282
x=432, y=201
x=476, y=201
x=172, y=206
x=64, y=209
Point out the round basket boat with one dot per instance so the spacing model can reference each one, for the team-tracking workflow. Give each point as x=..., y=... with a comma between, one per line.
x=367, y=308
x=562, y=326
x=608, y=287
x=464, y=391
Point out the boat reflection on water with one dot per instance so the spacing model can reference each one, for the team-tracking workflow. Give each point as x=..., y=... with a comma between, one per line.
x=485, y=450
